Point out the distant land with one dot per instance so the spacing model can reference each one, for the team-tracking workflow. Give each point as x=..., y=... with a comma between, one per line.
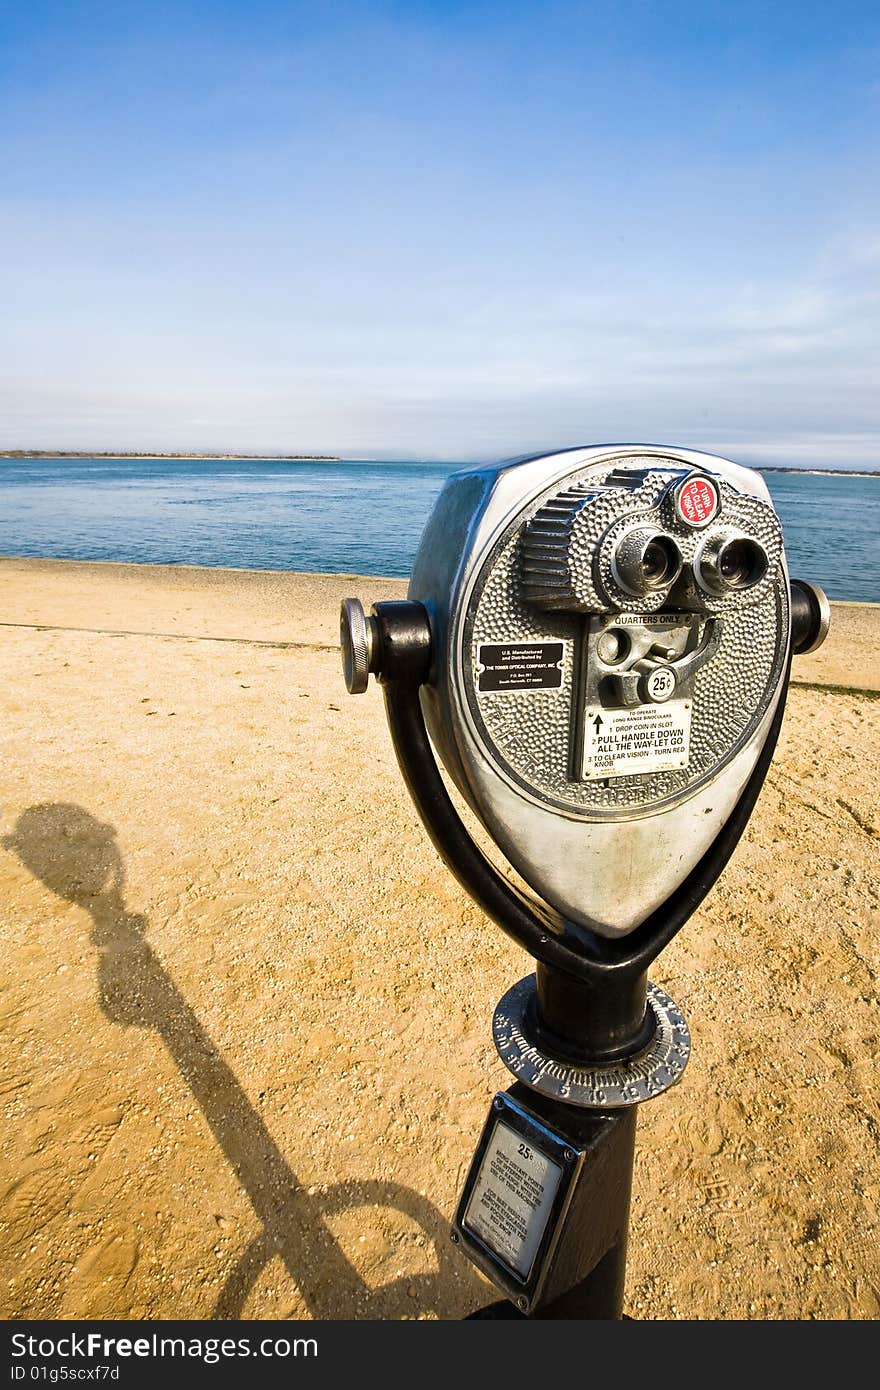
x=131, y=454
x=819, y=472
x=335, y=458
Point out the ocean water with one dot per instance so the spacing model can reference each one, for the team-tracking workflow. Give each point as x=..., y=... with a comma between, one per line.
x=355, y=516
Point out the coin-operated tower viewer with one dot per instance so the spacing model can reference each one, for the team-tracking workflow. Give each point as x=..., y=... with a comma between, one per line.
x=597, y=644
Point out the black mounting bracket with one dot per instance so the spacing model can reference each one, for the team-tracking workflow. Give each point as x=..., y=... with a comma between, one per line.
x=590, y=989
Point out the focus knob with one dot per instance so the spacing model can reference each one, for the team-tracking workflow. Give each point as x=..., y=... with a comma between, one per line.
x=810, y=617
x=357, y=638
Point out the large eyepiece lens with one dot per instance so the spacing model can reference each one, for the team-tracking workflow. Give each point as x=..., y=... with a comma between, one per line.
x=731, y=564
x=645, y=561
x=741, y=564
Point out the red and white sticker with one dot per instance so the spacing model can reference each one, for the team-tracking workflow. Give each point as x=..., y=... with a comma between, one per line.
x=696, y=501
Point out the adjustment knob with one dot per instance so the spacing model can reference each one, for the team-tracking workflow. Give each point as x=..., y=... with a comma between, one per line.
x=810, y=617
x=657, y=682
x=357, y=638
x=645, y=683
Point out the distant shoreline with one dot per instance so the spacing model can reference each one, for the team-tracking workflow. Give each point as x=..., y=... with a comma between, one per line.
x=337, y=458
x=92, y=454
x=822, y=472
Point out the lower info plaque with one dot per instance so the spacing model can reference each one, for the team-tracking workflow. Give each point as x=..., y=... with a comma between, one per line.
x=512, y=1197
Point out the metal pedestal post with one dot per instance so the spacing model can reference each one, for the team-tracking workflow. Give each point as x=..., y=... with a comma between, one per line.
x=545, y=1208
x=590, y=1264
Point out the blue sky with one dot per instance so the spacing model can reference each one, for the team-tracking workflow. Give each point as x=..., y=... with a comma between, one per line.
x=441, y=229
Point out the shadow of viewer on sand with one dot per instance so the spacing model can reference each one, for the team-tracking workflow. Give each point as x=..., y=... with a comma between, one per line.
x=77, y=857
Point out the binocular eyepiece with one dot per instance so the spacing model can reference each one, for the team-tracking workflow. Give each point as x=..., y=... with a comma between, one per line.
x=645, y=561
x=730, y=563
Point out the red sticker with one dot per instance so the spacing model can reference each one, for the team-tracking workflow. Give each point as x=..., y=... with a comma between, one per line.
x=697, y=501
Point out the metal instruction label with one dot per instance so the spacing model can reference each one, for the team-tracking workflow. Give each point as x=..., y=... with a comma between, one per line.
x=519, y=665
x=625, y=742
x=510, y=1204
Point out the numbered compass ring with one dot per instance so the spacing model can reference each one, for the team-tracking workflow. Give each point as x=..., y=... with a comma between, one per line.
x=627, y=1082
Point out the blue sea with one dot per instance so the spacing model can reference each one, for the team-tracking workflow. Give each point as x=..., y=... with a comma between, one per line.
x=360, y=516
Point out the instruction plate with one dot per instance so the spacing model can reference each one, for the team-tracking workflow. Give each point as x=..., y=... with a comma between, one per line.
x=626, y=742
x=512, y=1197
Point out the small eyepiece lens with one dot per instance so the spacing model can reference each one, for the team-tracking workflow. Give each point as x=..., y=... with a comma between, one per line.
x=659, y=561
x=654, y=562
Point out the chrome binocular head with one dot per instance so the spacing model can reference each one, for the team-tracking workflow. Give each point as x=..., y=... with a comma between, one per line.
x=610, y=630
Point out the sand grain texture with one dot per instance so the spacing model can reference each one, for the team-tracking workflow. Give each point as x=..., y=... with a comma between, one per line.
x=245, y=1009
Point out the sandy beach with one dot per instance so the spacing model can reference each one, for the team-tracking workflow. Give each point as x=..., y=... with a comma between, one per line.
x=246, y=1010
